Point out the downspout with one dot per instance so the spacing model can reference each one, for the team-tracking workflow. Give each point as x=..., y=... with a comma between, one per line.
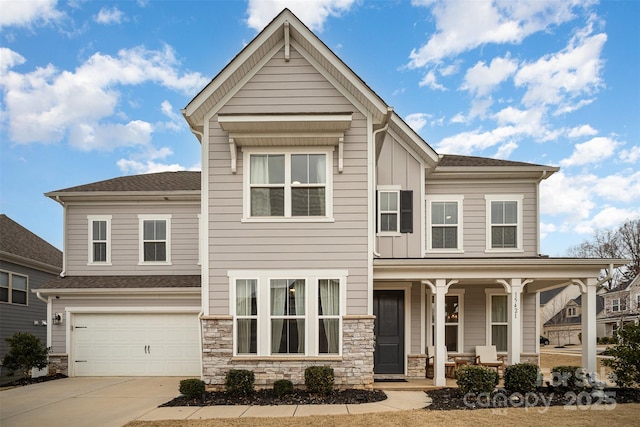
x=49, y=317
x=384, y=128
x=63, y=273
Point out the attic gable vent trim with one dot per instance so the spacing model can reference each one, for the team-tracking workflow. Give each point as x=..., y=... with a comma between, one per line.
x=265, y=130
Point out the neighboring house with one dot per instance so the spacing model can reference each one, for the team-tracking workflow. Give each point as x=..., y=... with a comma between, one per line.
x=323, y=230
x=554, y=300
x=26, y=263
x=565, y=327
x=621, y=306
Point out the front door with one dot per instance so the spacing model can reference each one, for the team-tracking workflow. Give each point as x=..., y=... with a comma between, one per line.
x=388, y=307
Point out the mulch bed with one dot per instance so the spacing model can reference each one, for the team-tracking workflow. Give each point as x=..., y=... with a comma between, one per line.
x=267, y=397
x=27, y=381
x=452, y=398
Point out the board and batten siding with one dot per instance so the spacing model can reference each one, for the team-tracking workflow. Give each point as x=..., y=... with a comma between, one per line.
x=475, y=214
x=125, y=239
x=125, y=302
x=398, y=167
x=288, y=87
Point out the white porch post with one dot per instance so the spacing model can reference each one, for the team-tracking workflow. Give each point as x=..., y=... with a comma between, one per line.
x=439, y=343
x=514, y=345
x=589, y=339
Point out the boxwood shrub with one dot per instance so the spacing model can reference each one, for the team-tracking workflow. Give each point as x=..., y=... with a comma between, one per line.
x=192, y=388
x=240, y=382
x=319, y=379
x=568, y=378
x=282, y=388
x=522, y=377
x=476, y=379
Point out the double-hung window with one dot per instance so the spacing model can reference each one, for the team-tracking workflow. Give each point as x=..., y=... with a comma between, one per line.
x=155, y=239
x=395, y=210
x=444, y=214
x=14, y=288
x=572, y=312
x=99, y=239
x=615, y=304
x=453, y=321
x=295, y=184
x=276, y=315
x=504, y=222
x=498, y=320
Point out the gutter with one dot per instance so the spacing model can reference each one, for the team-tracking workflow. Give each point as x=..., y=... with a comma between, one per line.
x=384, y=128
x=63, y=273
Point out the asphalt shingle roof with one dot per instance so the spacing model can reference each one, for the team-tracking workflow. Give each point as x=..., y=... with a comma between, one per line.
x=161, y=181
x=17, y=240
x=453, y=160
x=124, y=282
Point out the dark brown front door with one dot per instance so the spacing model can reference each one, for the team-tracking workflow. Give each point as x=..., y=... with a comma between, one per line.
x=388, y=307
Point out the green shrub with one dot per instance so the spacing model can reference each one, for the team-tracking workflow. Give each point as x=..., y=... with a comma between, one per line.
x=522, y=377
x=282, y=388
x=476, y=379
x=26, y=352
x=240, y=382
x=192, y=388
x=626, y=356
x=568, y=378
x=319, y=379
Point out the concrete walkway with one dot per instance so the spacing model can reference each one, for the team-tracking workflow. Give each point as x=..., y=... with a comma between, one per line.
x=115, y=401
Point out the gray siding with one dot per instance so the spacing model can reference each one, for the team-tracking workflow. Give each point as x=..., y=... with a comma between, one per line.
x=19, y=318
x=125, y=235
x=396, y=166
x=474, y=220
x=60, y=305
x=291, y=87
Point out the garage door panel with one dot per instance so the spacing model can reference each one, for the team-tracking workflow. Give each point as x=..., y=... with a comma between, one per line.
x=136, y=344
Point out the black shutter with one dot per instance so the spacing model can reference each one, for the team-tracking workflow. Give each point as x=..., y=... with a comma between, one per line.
x=406, y=211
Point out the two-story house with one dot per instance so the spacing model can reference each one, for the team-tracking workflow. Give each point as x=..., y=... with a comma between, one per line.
x=26, y=262
x=323, y=230
x=621, y=306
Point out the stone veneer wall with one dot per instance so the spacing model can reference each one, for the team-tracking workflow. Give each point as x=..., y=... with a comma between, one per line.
x=417, y=366
x=354, y=369
x=58, y=364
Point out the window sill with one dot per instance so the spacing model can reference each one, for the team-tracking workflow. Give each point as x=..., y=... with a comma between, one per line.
x=444, y=251
x=289, y=219
x=389, y=234
x=286, y=358
x=503, y=251
x=154, y=263
x=98, y=264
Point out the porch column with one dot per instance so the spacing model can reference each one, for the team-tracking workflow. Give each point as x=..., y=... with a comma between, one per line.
x=514, y=342
x=439, y=378
x=589, y=339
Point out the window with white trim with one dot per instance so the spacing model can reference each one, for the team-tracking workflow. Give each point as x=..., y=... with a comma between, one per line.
x=155, y=239
x=504, y=222
x=277, y=315
x=453, y=321
x=14, y=288
x=293, y=184
x=572, y=311
x=388, y=210
x=638, y=301
x=498, y=320
x=444, y=217
x=615, y=304
x=99, y=239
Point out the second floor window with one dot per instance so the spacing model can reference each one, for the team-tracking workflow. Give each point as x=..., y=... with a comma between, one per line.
x=289, y=185
x=13, y=288
x=155, y=239
x=444, y=216
x=504, y=222
x=99, y=239
x=388, y=211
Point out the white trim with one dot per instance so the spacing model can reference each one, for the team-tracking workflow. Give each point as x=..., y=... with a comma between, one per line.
x=430, y=325
x=388, y=189
x=453, y=198
x=518, y=198
x=311, y=317
x=154, y=217
x=287, y=152
x=491, y=292
x=90, y=220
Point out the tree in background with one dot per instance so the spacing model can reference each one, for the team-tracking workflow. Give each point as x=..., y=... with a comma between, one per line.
x=623, y=242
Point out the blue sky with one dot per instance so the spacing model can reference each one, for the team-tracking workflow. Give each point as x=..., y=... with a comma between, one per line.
x=93, y=90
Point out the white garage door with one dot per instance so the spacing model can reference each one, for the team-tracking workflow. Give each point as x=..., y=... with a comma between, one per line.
x=136, y=344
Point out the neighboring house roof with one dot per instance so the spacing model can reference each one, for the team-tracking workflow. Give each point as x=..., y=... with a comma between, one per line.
x=161, y=181
x=625, y=285
x=562, y=319
x=122, y=282
x=19, y=244
x=547, y=296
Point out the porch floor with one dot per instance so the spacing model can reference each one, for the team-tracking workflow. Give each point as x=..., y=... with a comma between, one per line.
x=412, y=385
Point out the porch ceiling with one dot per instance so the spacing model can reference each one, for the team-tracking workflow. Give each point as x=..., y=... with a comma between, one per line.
x=545, y=273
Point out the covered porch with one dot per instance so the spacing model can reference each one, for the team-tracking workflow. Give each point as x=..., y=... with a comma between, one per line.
x=454, y=305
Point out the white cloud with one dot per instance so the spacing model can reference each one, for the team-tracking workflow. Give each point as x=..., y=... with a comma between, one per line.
x=109, y=16
x=505, y=150
x=431, y=81
x=175, y=121
x=46, y=104
x=458, y=118
x=632, y=155
x=609, y=217
x=593, y=151
x=9, y=59
x=417, y=121
x=481, y=79
x=462, y=25
x=313, y=13
x=584, y=130
x=28, y=13
x=106, y=137
x=567, y=195
x=136, y=167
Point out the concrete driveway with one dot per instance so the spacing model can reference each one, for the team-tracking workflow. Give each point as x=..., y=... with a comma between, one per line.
x=85, y=401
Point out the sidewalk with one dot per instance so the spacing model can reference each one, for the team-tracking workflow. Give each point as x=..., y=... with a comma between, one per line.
x=396, y=401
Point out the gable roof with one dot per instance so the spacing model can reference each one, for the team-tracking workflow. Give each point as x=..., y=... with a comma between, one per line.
x=161, y=181
x=453, y=160
x=17, y=244
x=547, y=296
x=560, y=318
